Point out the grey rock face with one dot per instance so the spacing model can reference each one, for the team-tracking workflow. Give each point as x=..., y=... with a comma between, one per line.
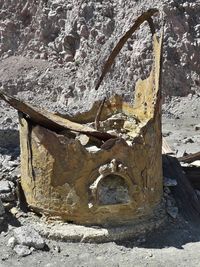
x=76, y=37
x=29, y=237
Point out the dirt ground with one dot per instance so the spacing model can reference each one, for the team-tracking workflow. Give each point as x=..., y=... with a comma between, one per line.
x=175, y=244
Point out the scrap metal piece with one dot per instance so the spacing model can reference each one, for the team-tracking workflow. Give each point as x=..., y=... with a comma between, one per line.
x=98, y=116
x=49, y=120
x=185, y=195
x=190, y=158
x=86, y=181
x=146, y=16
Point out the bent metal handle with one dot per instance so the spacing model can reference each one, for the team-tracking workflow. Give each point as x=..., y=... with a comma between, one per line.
x=146, y=16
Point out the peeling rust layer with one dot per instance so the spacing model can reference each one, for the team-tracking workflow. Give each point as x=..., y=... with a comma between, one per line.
x=111, y=175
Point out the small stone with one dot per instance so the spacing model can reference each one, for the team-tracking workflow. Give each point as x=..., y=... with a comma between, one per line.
x=167, y=190
x=22, y=250
x=84, y=31
x=60, y=60
x=52, y=14
x=169, y=182
x=68, y=58
x=69, y=6
x=7, y=197
x=29, y=237
x=94, y=32
x=57, y=249
x=43, y=55
x=5, y=187
x=101, y=39
x=32, y=249
x=108, y=27
x=14, y=211
x=37, y=56
x=197, y=127
x=7, y=120
x=8, y=205
x=4, y=233
x=4, y=258
x=93, y=149
x=83, y=139
x=188, y=140
x=196, y=163
x=172, y=211
x=11, y=242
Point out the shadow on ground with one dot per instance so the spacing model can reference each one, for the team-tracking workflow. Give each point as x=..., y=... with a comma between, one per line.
x=9, y=138
x=173, y=234
x=9, y=219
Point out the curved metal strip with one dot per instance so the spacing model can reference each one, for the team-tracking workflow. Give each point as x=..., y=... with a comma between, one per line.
x=146, y=16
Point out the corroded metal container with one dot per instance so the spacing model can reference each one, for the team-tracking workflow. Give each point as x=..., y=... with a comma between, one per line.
x=110, y=175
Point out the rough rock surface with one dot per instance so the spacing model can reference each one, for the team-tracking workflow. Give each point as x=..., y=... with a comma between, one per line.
x=22, y=250
x=51, y=53
x=7, y=191
x=55, y=49
x=29, y=237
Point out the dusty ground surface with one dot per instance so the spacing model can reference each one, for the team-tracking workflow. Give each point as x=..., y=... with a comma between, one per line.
x=180, y=117
x=175, y=244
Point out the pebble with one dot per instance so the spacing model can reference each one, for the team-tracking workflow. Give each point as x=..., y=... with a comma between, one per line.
x=173, y=212
x=28, y=236
x=22, y=250
x=188, y=140
x=57, y=249
x=11, y=242
x=4, y=258
x=5, y=186
x=169, y=182
x=197, y=127
x=84, y=31
x=7, y=189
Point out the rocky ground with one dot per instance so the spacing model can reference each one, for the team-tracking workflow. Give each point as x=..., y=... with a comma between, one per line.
x=51, y=53
x=66, y=42
x=181, y=119
x=176, y=245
